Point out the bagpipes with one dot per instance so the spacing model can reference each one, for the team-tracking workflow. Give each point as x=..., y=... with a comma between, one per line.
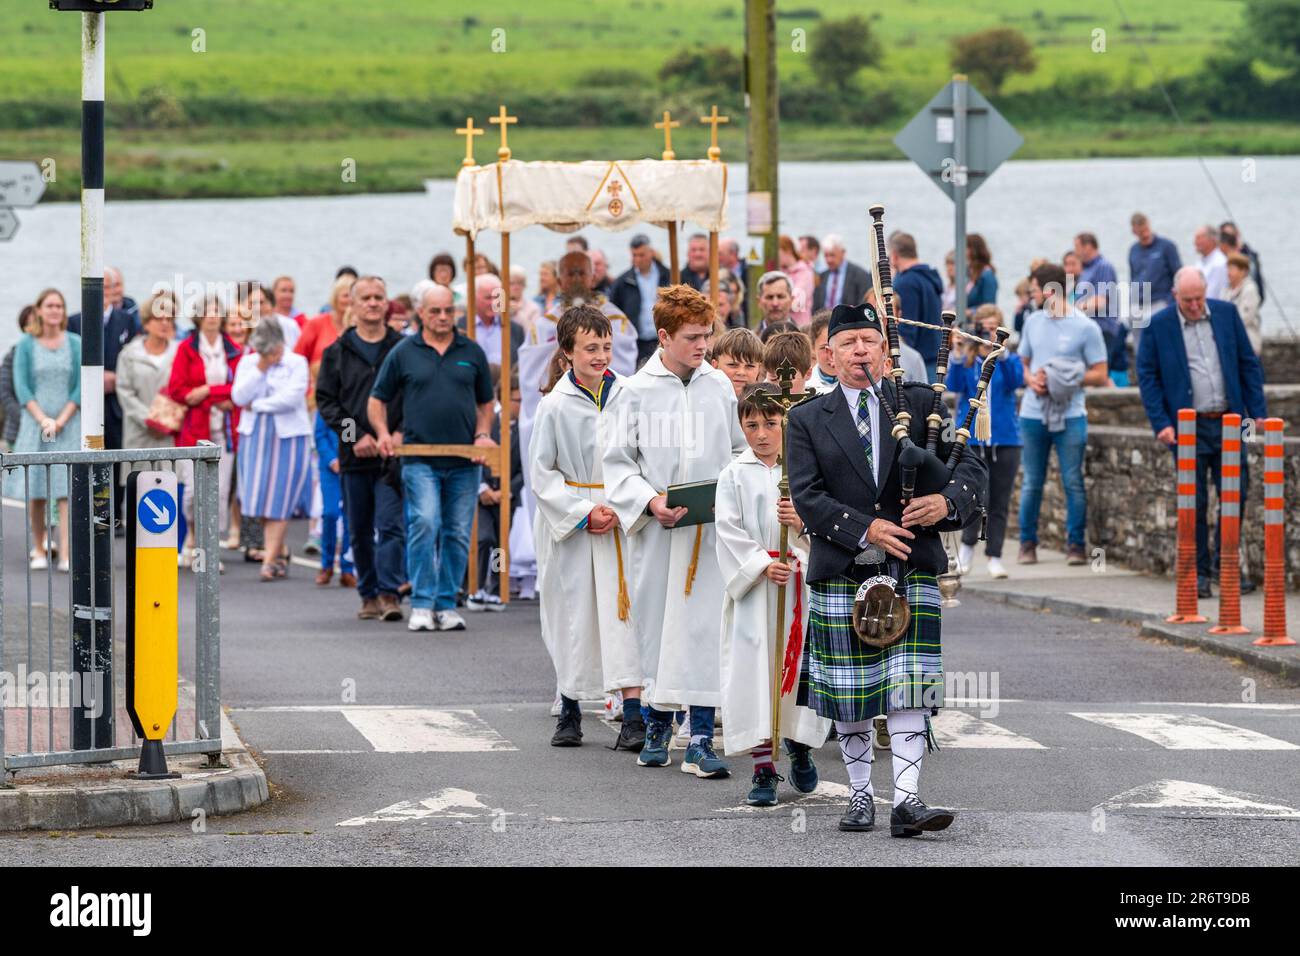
x=880, y=613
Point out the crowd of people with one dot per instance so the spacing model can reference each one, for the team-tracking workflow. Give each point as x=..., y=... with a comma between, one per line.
x=315, y=414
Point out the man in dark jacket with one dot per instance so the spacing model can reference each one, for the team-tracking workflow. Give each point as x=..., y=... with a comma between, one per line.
x=120, y=327
x=374, y=505
x=845, y=483
x=635, y=292
x=920, y=293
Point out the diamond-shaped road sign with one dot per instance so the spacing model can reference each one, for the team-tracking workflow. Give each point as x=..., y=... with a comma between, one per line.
x=929, y=138
x=21, y=184
x=8, y=223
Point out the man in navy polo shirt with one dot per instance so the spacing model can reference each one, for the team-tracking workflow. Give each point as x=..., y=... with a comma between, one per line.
x=445, y=388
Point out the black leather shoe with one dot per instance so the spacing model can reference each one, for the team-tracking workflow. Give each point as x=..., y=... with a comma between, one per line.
x=859, y=817
x=1203, y=588
x=912, y=817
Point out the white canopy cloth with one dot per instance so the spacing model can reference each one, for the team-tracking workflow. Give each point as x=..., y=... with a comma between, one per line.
x=506, y=197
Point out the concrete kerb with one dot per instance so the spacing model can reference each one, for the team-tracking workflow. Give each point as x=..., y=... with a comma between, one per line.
x=1149, y=626
x=81, y=798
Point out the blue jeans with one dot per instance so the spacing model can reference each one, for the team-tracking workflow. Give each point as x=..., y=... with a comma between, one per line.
x=375, y=525
x=331, y=496
x=439, y=511
x=1069, y=445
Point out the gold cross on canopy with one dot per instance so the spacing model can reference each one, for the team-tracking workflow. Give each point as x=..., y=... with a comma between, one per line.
x=503, y=153
x=713, y=119
x=668, y=125
x=469, y=131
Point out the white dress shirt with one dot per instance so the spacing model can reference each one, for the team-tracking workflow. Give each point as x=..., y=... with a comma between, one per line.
x=873, y=409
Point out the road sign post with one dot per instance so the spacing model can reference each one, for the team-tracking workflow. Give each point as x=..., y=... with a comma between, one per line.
x=152, y=613
x=91, y=487
x=959, y=139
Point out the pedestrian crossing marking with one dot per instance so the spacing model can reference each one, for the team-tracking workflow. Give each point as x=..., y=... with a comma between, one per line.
x=418, y=730
x=1187, y=732
x=449, y=803
x=956, y=728
x=1184, y=798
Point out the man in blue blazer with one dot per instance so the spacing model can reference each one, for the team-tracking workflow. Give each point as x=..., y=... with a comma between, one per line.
x=1195, y=354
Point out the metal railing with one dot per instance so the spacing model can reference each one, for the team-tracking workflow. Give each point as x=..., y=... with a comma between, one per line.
x=32, y=691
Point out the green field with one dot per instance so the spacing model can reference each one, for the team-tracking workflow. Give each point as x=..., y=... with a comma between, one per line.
x=287, y=89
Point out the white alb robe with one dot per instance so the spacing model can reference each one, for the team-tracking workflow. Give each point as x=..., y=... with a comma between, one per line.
x=666, y=433
x=747, y=531
x=593, y=651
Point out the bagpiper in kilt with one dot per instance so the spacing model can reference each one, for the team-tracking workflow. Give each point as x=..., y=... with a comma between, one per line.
x=846, y=485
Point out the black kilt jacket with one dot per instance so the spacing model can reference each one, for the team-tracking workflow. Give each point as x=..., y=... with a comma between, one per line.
x=837, y=498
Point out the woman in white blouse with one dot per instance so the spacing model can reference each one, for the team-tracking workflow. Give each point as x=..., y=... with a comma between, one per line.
x=271, y=388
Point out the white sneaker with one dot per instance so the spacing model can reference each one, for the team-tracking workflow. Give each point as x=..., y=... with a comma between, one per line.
x=450, y=621
x=421, y=620
x=965, y=554
x=614, y=706
x=996, y=570
x=63, y=566
x=558, y=707
x=682, y=739
x=483, y=601
x=38, y=562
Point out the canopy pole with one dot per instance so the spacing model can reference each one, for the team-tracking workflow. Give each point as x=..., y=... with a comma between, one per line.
x=471, y=320
x=504, y=450
x=713, y=271
x=674, y=266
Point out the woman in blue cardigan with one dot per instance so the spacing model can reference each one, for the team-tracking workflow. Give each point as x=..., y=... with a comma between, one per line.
x=1002, y=452
x=47, y=381
x=983, y=287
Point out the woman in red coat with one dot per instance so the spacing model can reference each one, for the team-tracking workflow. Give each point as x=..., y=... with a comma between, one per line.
x=201, y=377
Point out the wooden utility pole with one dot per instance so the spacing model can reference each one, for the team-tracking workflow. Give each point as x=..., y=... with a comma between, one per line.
x=761, y=101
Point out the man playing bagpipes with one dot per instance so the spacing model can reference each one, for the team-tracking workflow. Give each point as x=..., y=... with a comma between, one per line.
x=874, y=622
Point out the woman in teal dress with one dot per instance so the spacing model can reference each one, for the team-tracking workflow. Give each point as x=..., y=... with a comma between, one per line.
x=47, y=381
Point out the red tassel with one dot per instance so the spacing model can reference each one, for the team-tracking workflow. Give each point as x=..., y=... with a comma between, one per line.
x=794, y=643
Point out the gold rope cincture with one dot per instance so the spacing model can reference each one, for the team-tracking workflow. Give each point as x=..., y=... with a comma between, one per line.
x=624, y=602
x=695, y=559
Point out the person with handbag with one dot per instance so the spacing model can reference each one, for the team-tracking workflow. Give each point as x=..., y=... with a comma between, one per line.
x=202, y=372
x=150, y=418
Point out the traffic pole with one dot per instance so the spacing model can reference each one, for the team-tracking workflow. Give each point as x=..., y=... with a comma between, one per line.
x=1230, y=531
x=1186, y=611
x=1274, y=541
x=90, y=521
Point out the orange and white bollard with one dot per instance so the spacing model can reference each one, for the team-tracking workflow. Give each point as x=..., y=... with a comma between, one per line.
x=1274, y=540
x=1186, y=610
x=1230, y=531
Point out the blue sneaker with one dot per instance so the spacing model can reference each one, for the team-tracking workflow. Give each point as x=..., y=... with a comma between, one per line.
x=703, y=762
x=763, y=793
x=803, y=773
x=654, y=753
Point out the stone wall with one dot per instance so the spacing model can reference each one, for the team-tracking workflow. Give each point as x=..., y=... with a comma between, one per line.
x=1132, y=511
x=1281, y=358
x=1123, y=407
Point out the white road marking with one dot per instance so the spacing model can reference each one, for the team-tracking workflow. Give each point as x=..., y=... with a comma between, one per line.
x=426, y=731
x=1196, y=799
x=955, y=728
x=1228, y=706
x=1188, y=732
x=449, y=803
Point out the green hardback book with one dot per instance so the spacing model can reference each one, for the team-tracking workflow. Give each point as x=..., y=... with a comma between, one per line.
x=697, y=497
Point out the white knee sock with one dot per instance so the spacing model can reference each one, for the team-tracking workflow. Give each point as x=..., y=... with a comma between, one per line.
x=907, y=744
x=855, y=748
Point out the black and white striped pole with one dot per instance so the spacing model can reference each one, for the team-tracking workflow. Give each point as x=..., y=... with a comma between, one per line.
x=90, y=532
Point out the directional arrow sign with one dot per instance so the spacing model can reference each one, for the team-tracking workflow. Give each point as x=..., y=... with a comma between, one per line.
x=929, y=140
x=8, y=223
x=21, y=184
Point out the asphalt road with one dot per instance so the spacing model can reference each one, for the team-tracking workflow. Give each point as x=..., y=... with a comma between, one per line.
x=385, y=746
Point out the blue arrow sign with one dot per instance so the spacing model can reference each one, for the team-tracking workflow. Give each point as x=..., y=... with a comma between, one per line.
x=157, y=511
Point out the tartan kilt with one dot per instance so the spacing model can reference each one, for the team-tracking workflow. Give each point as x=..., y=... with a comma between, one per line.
x=849, y=680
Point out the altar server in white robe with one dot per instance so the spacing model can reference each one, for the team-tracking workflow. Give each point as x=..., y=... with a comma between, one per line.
x=675, y=424
x=576, y=280
x=750, y=513
x=585, y=600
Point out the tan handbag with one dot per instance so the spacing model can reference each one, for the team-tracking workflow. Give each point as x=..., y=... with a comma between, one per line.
x=165, y=415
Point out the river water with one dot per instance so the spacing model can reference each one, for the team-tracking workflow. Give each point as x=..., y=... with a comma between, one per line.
x=1026, y=209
